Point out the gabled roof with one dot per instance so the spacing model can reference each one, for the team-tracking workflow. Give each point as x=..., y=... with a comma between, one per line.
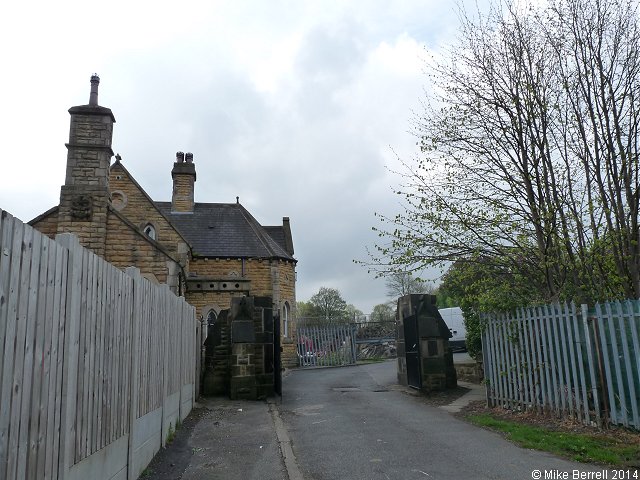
x=224, y=230
x=118, y=165
x=33, y=221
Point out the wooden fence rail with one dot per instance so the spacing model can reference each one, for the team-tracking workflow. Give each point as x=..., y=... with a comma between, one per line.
x=96, y=365
x=574, y=361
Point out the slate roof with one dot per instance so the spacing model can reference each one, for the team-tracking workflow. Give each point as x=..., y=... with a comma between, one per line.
x=277, y=233
x=225, y=230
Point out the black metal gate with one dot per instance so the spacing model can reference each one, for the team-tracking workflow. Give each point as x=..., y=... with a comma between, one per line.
x=277, y=357
x=412, y=351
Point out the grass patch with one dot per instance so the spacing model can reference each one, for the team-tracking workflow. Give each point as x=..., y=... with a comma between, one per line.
x=171, y=434
x=580, y=447
x=147, y=472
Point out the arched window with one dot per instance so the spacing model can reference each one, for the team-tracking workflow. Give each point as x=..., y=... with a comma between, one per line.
x=212, y=316
x=149, y=231
x=285, y=319
x=213, y=329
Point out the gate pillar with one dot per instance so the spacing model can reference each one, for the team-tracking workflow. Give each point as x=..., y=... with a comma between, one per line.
x=425, y=360
x=252, y=373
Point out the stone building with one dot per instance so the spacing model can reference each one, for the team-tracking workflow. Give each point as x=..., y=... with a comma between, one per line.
x=208, y=252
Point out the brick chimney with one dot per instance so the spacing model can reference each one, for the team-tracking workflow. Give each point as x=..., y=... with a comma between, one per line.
x=84, y=197
x=184, y=178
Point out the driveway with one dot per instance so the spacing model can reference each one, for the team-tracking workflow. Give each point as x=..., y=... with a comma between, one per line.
x=356, y=423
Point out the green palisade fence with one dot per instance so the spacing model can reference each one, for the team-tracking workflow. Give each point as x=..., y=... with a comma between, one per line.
x=577, y=362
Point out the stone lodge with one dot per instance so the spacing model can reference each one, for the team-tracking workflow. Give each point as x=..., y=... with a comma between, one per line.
x=207, y=252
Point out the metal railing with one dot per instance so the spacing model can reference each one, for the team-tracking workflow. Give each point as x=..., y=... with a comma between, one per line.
x=578, y=362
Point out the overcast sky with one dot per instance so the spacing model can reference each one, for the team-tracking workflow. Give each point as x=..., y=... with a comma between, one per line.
x=297, y=107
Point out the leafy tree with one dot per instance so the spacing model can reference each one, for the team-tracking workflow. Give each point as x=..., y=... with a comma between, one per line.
x=305, y=309
x=329, y=304
x=404, y=283
x=529, y=156
x=383, y=312
x=476, y=286
x=354, y=313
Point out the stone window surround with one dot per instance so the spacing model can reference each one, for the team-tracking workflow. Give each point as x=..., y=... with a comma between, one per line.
x=207, y=309
x=286, y=316
x=119, y=205
x=152, y=225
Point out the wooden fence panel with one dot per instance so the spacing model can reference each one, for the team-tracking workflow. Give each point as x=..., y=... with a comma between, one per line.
x=32, y=279
x=68, y=328
x=49, y=442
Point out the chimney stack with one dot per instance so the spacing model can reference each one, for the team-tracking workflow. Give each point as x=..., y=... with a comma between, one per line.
x=184, y=178
x=93, y=95
x=84, y=197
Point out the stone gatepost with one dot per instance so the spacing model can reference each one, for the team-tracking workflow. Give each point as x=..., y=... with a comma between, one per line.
x=425, y=359
x=243, y=355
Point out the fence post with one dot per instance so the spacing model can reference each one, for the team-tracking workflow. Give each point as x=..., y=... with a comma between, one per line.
x=590, y=361
x=70, y=360
x=179, y=315
x=165, y=326
x=134, y=377
x=198, y=358
x=485, y=363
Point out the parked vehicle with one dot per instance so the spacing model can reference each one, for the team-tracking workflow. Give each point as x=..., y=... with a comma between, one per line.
x=455, y=321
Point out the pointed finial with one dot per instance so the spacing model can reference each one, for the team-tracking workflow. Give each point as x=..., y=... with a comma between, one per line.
x=238, y=200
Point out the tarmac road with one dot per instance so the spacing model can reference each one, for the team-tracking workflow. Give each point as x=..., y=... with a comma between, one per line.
x=356, y=423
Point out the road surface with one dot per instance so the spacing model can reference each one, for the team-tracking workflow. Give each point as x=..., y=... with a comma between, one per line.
x=356, y=423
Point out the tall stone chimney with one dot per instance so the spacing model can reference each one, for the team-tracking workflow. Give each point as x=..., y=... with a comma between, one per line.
x=84, y=197
x=184, y=178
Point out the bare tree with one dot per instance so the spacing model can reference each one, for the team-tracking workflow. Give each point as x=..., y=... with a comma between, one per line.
x=404, y=283
x=529, y=152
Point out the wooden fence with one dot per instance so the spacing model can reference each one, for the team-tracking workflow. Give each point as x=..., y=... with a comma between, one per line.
x=97, y=365
x=574, y=361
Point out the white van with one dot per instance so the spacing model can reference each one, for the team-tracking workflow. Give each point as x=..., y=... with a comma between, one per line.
x=455, y=321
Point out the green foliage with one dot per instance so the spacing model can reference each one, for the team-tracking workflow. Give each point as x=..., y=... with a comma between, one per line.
x=329, y=304
x=147, y=472
x=476, y=285
x=171, y=434
x=579, y=447
x=305, y=309
x=354, y=313
x=383, y=312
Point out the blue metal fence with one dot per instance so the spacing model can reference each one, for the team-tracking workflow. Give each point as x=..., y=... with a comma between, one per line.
x=578, y=362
